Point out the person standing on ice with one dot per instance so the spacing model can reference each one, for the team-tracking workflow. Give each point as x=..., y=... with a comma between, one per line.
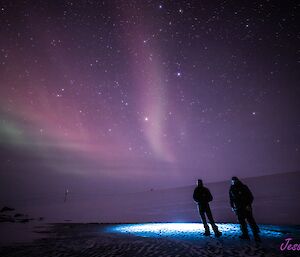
x=241, y=200
x=202, y=197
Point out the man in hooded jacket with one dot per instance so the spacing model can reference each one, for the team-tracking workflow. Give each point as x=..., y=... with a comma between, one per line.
x=241, y=200
x=203, y=196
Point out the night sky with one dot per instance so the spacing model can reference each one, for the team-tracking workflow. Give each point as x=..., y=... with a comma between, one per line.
x=132, y=95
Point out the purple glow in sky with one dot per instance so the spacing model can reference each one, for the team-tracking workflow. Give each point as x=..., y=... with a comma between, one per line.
x=133, y=95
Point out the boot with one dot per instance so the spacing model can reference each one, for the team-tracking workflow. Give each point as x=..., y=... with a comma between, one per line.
x=207, y=231
x=216, y=231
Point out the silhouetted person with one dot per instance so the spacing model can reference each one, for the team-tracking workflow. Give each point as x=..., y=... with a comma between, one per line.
x=241, y=200
x=203, y=196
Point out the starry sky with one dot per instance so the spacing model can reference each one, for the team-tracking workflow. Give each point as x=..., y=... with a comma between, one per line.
x=132, y=95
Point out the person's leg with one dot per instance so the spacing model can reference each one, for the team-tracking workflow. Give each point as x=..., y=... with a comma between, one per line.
x=253, y=225
x=212, y=222
x=243, y=225
x=203, y=218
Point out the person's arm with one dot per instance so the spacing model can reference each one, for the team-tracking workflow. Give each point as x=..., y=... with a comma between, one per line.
x=249, y=194
x=195, y=196
x=209, y=196
x=231, y=199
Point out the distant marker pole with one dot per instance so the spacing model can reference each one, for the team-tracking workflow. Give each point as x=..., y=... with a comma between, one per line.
x=66, y=194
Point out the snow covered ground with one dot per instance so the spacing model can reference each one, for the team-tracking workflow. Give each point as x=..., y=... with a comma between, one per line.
x=276, y=198
x=150, y=239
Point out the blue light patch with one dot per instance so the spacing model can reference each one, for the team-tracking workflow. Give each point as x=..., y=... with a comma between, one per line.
x=186, y=230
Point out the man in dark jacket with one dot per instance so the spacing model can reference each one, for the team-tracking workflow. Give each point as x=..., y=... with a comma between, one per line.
x=203, y=196
x=241, y=200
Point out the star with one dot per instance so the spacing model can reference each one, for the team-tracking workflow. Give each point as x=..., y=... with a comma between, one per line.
x=159, y=79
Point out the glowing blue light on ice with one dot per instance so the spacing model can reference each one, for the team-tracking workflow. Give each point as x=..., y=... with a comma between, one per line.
x=181, y=230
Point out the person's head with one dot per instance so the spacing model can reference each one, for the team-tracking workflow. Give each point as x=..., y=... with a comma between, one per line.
x=234, y=180
x=199, y=183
